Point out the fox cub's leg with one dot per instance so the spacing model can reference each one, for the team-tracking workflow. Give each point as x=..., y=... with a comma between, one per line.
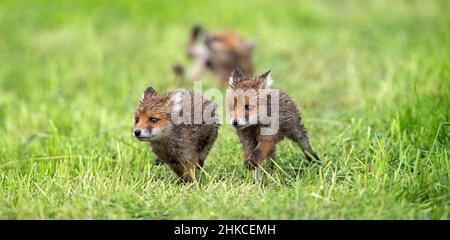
x=273, y=153
x=187, y=163
x=262, y=151
x=301, y=138
x=189, y=171
x=185, y=170
x=203, y=153
x=177, y=168
x=272, y=156
x=249, y=144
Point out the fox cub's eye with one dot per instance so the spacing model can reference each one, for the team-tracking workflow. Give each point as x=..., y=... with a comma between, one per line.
x=136, y=120
x=249, y=107
x=153, y=120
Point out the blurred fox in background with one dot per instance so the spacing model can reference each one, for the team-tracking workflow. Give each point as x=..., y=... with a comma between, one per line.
x=218, y=53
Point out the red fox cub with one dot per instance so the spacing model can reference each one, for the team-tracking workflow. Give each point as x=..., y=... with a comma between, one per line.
x=245, y=111
x=183, y=146
x=219, y=53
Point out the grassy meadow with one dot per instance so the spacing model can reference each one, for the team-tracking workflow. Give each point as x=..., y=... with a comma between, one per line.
x=371, y=78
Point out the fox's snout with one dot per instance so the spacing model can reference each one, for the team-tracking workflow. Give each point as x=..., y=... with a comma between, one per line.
x=238, y=122
x=243, y=121
x=142, y=134
x=137, y=132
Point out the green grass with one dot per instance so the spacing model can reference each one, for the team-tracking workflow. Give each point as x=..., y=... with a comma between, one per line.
x=371, y=79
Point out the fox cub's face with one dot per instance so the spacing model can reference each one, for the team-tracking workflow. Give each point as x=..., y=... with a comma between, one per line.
x=228, y=41
x=152, y=119
x=244, y=103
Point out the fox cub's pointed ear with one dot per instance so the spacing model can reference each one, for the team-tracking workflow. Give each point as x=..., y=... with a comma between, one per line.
x=235, y=76
x=267, y=79
x=196, y=31
x=147, y=93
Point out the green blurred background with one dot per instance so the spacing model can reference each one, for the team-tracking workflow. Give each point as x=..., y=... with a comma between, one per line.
x=370, y=77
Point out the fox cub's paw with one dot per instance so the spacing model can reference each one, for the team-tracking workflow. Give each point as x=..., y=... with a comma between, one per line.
x=178, y=69
x=158, y=162
x=249, y=164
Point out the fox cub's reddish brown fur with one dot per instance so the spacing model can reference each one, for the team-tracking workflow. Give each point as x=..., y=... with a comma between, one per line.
x=219, y=53
x=258, y=147
x=185, y=146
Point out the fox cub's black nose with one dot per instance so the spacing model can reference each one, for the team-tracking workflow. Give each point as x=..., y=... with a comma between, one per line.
x=137, y=132
x=235, y=122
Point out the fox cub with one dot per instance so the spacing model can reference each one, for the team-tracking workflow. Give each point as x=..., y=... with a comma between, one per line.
x=219, y=53
x=183, y=146
x=244, y=115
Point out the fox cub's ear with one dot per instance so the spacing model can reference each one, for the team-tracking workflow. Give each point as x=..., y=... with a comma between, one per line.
x=267, y=79
x=196, y=31
x=236, y=75
x=147, y=93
